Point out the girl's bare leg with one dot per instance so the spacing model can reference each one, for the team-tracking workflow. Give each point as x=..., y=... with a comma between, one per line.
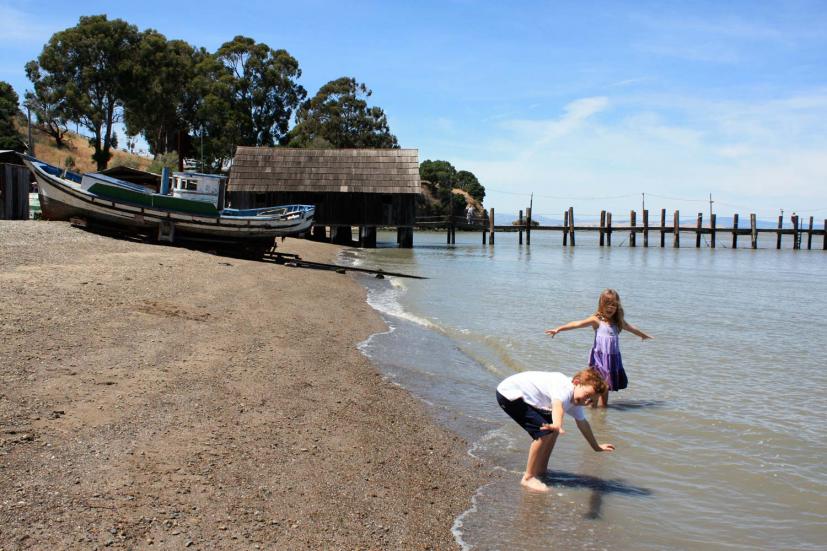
x=603, y=401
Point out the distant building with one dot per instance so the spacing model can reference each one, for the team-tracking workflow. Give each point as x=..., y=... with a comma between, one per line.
x=349, y=187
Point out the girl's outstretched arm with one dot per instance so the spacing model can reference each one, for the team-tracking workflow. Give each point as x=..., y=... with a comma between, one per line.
x=590, y=321
x=635, y=331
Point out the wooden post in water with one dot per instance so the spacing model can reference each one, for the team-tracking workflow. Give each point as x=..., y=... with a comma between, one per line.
x=521, y=228
x=780, y=225
x=448, y=236
x=528, y=226
x=608, y=229
x=824, y=227
x=735, y=231
x=712, y=220
x=810, y=235
x=645, y=227
x=571, y=224
x=602, y=229
x=677, y=242
x=491, y=226
x=662, y=227
x=565, y=228
x=698, y=230
x=753, y=231
x=632, y=224
x=796, y=242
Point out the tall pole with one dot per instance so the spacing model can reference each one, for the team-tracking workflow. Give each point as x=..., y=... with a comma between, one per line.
x=29, y=119
x=710, y=208
x=643, y=202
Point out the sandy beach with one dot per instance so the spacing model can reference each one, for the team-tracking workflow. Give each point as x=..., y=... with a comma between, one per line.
x=159, y=397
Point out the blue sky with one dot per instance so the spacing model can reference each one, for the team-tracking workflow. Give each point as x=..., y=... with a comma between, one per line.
x=584, y=104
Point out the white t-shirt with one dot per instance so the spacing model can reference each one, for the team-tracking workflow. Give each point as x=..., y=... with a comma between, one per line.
x=540, y=388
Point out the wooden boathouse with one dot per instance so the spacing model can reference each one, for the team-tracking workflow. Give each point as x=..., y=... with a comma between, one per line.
x=15, y=182
x=366, y=188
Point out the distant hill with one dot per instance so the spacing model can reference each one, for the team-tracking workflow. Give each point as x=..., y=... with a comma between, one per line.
x=77, y=147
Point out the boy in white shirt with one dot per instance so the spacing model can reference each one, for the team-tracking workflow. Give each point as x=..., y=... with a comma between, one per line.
x=537, y=401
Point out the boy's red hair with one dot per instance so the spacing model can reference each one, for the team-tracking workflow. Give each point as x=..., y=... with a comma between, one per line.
x=590, y=376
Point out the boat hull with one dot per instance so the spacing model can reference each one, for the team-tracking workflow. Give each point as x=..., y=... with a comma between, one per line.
x=60, y=200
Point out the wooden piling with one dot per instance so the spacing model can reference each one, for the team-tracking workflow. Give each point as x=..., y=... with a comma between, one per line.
x=712, y=221
x=565, y=228
x=662, y=227
x=753, y=231
x=491, y=226
x=698, y=227
x=810, y=235
x=735, y=231
x=528, y=226
x=796, y=241
x=677, y=242
x=780, y=225
x=571, y=224
x=521, y=228
x=645, y=227
x=632, y=233
x=608, y=229
x=824, y=227
x=602, y=228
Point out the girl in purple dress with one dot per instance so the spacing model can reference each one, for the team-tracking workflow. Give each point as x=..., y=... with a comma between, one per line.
x=607, y=323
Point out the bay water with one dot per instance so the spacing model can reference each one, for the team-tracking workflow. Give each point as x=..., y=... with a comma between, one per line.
x=721, y=436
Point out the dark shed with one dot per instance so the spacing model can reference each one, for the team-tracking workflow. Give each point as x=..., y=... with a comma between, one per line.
x=349, y=187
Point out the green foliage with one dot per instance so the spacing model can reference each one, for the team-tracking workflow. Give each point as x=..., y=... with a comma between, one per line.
x=444, y=178
x=9, y=137
x=90, y=67
x=45, y=103
x=162, y=161
x=338, y=116
x=163, y=107
x=263, y=91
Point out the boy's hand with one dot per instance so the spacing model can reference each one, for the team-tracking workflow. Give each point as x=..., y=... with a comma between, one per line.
x=552, y=332
x=553, y=428
x=606, y=448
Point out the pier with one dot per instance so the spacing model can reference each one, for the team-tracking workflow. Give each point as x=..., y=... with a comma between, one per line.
x=668, y=229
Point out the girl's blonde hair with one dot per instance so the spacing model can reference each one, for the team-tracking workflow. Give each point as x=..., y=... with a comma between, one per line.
x=591, y=377
x=610, y=296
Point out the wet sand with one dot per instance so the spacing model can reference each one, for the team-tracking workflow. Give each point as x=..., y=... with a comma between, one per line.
x=159, y=397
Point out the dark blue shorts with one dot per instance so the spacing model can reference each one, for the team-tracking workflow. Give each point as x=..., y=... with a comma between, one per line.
x=527, y=416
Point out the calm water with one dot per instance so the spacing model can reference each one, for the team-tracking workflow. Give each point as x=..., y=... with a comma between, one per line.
x=721, y=437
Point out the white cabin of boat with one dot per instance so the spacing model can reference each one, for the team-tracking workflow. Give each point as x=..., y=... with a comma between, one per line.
x=195, y=186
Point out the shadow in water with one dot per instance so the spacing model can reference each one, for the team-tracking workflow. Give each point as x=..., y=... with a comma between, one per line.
x=635, y=404
x=598, y=486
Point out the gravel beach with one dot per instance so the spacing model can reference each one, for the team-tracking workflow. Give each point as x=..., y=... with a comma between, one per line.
x=156, y=397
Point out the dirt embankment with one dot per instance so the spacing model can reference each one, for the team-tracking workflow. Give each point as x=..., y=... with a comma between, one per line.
x=154, y=397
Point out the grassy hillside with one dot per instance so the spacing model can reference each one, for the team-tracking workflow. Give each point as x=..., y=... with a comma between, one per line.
x=77, y=147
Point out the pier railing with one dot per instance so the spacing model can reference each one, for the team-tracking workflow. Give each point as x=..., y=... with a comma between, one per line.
x=802, y=232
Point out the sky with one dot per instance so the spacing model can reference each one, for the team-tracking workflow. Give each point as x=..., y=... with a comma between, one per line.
x=593, y=105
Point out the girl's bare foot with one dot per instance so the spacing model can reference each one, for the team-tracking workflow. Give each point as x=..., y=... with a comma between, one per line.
x=534, y=484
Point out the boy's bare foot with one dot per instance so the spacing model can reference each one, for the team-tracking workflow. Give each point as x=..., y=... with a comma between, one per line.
x=534, y=484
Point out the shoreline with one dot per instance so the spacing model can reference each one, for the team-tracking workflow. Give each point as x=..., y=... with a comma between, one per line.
x=160, y=396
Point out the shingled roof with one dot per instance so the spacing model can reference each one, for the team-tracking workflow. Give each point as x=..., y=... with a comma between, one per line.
x=281, y=169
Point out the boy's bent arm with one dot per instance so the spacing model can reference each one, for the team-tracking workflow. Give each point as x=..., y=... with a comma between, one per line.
x=586, y=431
x=557, y=414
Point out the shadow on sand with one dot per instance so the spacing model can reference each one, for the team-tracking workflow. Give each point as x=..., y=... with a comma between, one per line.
x=598, y=486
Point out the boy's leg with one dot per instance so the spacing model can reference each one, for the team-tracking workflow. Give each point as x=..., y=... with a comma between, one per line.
x=538, y=456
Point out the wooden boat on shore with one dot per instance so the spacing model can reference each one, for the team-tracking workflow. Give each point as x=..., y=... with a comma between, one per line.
x=191, y=208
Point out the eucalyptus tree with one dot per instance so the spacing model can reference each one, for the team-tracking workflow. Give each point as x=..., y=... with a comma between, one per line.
x=91, y=65
x=9, y=137
x=338, y=116
x=261, y=86
x=47, y=105
x=163, y=105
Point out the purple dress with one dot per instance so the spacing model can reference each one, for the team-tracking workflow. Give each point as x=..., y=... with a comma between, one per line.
x=605, y=356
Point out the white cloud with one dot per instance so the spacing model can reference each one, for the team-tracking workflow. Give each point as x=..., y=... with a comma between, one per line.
x=20, y=27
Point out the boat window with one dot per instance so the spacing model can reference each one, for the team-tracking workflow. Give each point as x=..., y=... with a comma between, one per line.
x=191, y=185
